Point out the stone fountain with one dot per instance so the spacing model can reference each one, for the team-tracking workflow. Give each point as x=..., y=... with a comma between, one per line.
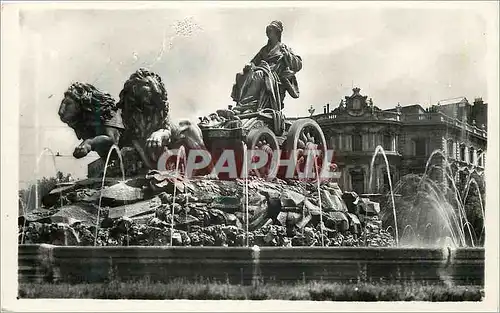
x=130, y=201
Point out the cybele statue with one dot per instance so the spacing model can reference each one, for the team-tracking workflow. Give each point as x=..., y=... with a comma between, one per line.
x=269, y=75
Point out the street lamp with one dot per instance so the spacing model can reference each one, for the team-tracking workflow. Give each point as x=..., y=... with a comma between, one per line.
x=311, y=110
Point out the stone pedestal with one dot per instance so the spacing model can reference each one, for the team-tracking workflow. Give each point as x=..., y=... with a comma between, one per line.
x=132, y=164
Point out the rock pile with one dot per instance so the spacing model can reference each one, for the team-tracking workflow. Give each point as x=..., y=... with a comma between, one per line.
x=205, y=212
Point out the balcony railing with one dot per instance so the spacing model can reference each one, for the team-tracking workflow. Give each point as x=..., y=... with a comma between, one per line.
x=438, y=117
x=352, y=153
x=380, y=115
x=427, y=117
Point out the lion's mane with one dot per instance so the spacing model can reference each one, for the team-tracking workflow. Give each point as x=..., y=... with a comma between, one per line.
x=92, y=103
x=159, y=98
x=141, y=119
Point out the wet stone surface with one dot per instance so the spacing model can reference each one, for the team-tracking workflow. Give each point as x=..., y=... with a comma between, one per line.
x=206, y=212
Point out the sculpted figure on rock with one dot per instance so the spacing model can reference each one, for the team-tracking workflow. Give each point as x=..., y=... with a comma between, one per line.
x=269, y=75
x=140, y=119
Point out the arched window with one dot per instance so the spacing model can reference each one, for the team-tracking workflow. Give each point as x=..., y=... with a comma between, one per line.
x=449, y=149
x=357, y=142
x=420, y=145
x=334, y=142
x=357, y=180
x=387, y=141
x=472, y=156
x=385, y=179
x=462, y=152
x=480, y=158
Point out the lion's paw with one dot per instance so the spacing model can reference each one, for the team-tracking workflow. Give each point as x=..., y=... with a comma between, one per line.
x=82, y=150
x=157, y=139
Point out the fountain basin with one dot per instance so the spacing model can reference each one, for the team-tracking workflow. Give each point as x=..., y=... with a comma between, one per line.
x=463, y=266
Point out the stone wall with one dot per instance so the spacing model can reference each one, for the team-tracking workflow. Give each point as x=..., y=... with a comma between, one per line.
x=245, y=265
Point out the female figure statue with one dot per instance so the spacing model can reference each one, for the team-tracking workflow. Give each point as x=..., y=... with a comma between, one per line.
x=269, y=75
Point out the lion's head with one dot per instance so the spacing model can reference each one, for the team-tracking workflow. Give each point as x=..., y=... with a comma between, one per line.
x=84, y=104
x=144, y=103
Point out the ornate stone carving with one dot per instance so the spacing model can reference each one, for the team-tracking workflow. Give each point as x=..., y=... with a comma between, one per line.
x=356, y=104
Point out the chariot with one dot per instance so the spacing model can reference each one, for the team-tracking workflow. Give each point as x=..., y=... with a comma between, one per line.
x=247, y=128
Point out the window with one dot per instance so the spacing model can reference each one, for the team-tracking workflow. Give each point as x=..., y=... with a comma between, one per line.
x=449, y=149
x=472, y=156
x=462, y=153
x=357, y=142
x=479, y=157
x=386, y=186
x=340, y=142
x=420, y=147
x=387, y=142
x=334, y=142
x=358, y=181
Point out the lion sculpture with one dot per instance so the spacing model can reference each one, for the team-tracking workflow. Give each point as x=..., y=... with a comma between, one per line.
x=94, y=116
x=140, y=119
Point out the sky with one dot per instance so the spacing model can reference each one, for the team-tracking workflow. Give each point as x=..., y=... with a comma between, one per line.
x=394, y=55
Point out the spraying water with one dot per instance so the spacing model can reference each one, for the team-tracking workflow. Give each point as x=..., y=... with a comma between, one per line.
x=427, y=233
x=406, y=231
x=37, y=164
x=380, y=150
x=461, y=209
x=45, y=150
x=434, y=207
x=423, y=202
x=256, y=265
x=180, y=154
x=122, y=168
x=472, y=181
x=436, y=199
x=319, y=201
x=245, y=165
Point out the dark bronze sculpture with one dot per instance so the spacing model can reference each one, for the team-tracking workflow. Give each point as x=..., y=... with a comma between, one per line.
x=94, y=116
x=140, y=119
x=269, y=75
x=146, y=118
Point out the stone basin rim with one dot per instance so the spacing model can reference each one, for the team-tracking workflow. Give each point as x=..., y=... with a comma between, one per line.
x=260, y=248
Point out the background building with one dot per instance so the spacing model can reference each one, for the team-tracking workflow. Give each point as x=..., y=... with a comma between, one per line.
x=408, y=135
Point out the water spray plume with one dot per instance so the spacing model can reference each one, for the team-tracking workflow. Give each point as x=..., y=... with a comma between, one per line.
x=180, y=154
x=319, y=201
x=461, y=209
x=380, y=150
x=37, y=164
x=113, y=148
x=472, y=181
x=432, y=206
x=245, y=157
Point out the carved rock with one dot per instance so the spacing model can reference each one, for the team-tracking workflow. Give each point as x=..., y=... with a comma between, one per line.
x=121, y=193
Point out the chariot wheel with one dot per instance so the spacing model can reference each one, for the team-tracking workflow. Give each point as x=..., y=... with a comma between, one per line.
x=305, y=140
x=259, y=140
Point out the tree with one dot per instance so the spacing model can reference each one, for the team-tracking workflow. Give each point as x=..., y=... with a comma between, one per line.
x=27, y=201
x=474, y=210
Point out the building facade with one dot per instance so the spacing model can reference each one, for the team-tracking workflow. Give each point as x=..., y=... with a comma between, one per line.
x=408, y=136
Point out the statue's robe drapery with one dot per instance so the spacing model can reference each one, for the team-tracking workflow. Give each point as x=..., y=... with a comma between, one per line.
x=271, y=76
